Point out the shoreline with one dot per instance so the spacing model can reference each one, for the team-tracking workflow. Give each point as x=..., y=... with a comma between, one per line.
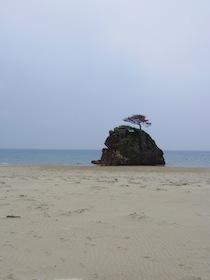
x=104, y=222
x=143, y=168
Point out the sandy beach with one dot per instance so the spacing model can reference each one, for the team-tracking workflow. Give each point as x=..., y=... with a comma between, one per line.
x=104, y=223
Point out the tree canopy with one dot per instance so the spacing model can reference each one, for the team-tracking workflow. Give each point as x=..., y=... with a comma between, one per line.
x=138, y=119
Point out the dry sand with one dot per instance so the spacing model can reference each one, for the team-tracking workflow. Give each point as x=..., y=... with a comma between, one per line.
x=104, y=223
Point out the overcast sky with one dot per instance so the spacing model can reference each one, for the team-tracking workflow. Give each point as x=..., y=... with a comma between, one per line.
x=71, y=70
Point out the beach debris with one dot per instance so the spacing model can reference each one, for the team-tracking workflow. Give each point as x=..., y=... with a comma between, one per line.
x=13, y=216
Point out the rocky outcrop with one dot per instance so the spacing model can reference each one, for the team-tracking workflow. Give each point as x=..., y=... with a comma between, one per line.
x=130, y=146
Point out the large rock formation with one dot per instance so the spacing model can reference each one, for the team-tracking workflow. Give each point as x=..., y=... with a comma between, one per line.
x=130, y=146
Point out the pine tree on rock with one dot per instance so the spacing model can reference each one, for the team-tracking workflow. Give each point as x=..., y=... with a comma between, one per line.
x=138, y=119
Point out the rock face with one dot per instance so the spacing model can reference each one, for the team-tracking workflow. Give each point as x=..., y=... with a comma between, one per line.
x=130, y=146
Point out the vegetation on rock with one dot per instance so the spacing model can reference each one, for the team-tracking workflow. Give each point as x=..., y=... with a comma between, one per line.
x=138, y=119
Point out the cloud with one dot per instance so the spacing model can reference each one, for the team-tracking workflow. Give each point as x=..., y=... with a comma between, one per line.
x=4, y=115
x=85, y=63
x=163, y=36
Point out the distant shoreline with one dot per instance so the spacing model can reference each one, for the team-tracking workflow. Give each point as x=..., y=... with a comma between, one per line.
x=120, y=168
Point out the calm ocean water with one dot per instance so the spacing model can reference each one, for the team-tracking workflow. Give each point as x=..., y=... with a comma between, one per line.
x=84, y=157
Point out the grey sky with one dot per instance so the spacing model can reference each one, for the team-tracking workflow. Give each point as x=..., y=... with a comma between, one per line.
x=71, y=70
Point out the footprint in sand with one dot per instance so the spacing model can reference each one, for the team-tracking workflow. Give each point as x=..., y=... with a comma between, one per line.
x=161, y=189
x=81, y=210
x=107, y=180
x=139, y=216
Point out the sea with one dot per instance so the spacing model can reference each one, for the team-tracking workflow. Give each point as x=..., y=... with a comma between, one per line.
x=199, y=159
